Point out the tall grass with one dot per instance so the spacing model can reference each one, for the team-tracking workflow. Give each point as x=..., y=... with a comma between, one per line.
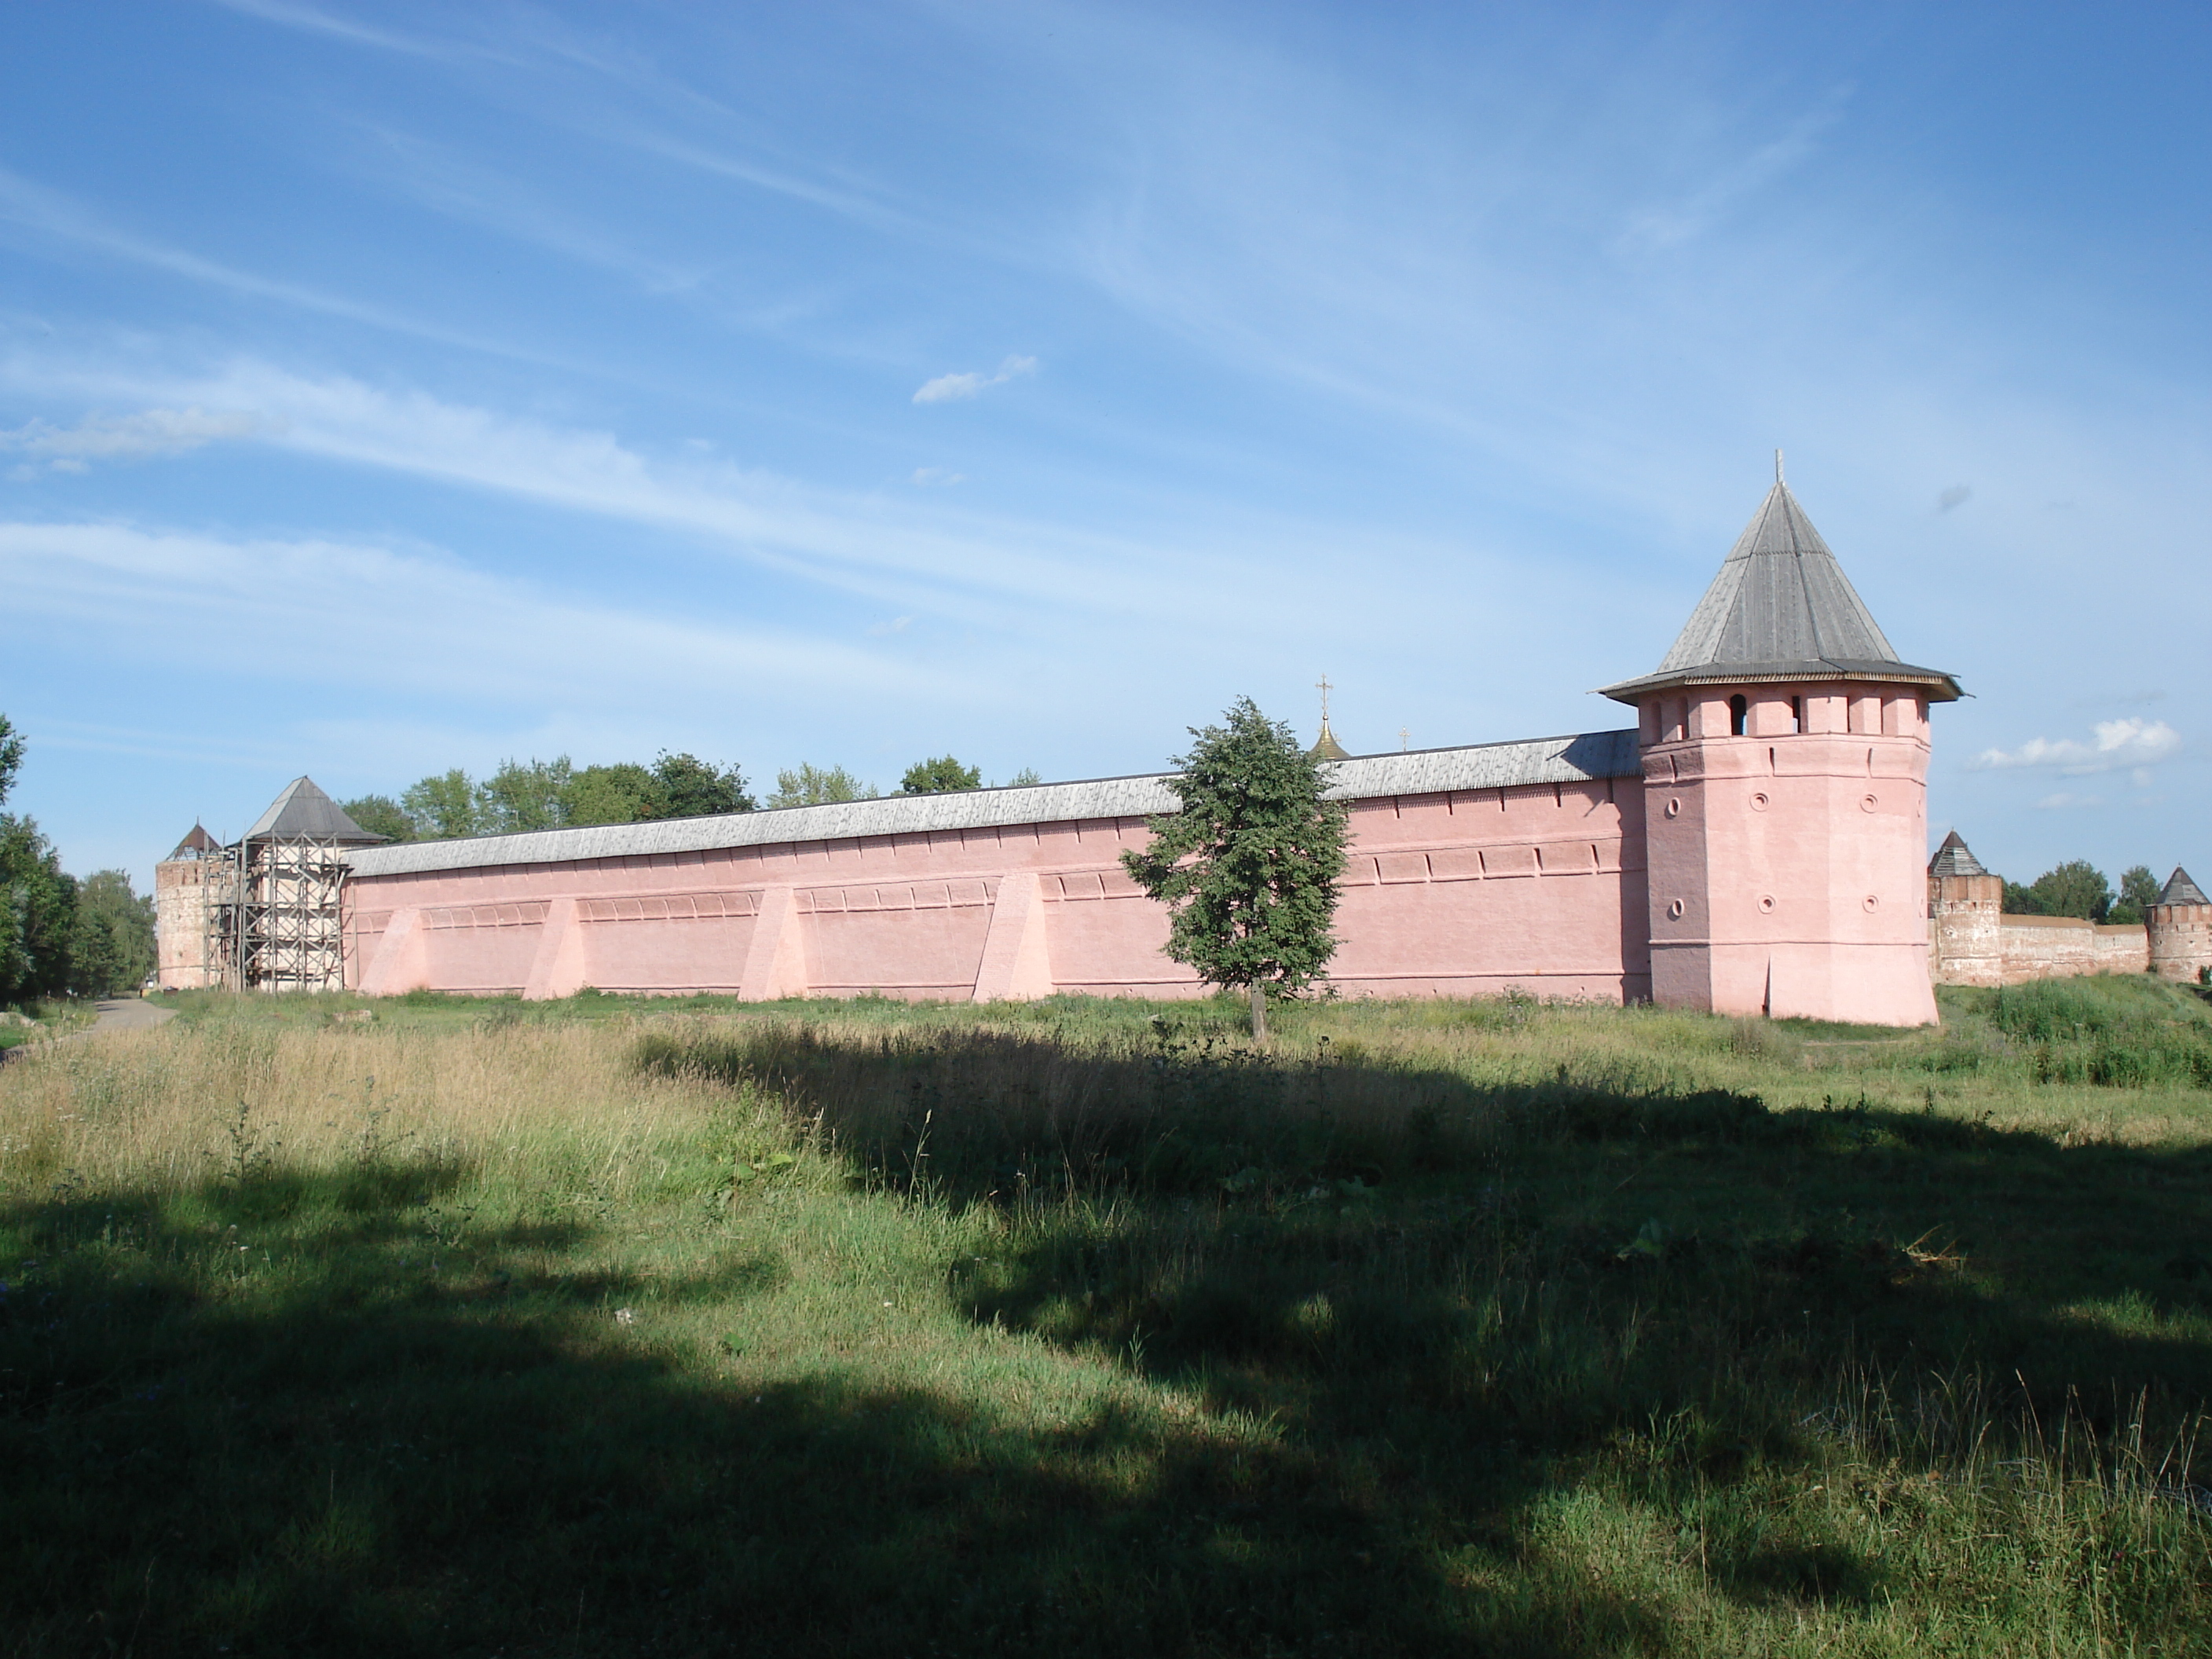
x=2125, y=1033
x=1093, y=1328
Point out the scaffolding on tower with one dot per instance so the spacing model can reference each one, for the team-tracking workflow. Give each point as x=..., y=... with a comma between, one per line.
x=274, y=918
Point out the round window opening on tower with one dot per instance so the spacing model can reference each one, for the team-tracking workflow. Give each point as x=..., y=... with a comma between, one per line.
x=1674, y=908
x=1766, y=905
x=1759, y=803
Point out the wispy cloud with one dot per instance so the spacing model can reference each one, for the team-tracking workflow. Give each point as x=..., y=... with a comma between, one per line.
x=1691, y=215
x=2063, y=800
x=937, y=477
x=49, y=213
x=2128, y=743
x=348, y=614
x=946, y=388
x=125, y=437
x=313, y=20
x=915, y=552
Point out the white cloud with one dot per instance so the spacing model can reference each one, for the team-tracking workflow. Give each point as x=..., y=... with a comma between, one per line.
x=2130, y=741
x=896, y=625
x=108, y=438
x=945, y=387
x=364, y=617
x=2061, y=800
x=895, y=550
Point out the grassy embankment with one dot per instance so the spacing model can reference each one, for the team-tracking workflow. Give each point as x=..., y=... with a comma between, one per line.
x=43, y=1021
x=607, y=1326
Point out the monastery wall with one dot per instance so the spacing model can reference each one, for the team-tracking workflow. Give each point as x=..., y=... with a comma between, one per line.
x=1471, y=870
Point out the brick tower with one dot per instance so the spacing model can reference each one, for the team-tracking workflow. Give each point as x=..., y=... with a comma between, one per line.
x=1965, y=917
x=1785, y=780
x=2180, y=927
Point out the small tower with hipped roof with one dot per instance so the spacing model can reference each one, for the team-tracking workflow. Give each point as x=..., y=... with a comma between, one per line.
x=2180, y=929
x=1965, y=917
x=1785, y=786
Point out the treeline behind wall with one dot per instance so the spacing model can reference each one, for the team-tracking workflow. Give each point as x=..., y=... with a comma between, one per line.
x=535, y=795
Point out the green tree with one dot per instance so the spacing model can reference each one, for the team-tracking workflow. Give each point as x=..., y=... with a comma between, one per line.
x=521, y=797
x=624, y=793
x=688, y=787
x=380, y=815
x=1247, y=868
x=2020, y=901
x=2076, y=888
x=940, y=777
x=112, y=936
x=1027, y=778
x=444, y=807
x=2138, y=892
x=38, y=902
x=811, y=786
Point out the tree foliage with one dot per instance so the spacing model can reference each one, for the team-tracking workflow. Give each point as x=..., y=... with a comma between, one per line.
x=444, y=806
x=938, y=776
x=2138, y=892
x=813, y=785
x=112, y=936
x=686, y=786
x=535, y=794
x=1247, y=868
x=2076, y=888
x=38, y=901
x=380, y=815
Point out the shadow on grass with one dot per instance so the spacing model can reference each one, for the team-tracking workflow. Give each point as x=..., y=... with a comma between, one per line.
x=362, y=1431
x=295, y=1414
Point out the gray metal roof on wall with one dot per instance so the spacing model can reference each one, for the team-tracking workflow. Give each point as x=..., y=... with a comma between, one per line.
x=1782, y=608
x=1573, y=759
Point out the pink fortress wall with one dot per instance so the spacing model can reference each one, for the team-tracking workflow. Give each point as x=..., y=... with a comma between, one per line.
x=1459, y=891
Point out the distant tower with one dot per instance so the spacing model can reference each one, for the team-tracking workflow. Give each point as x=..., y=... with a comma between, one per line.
x=180, y=911
x=1326, y=747
x=2180, y=928
x=263, y=914
x=1785, y=779
x=1965, y=917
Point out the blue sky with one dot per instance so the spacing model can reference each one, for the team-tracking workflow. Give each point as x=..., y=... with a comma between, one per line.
x=388, y=389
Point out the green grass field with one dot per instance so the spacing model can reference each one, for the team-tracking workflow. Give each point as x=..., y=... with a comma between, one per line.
x=446, y=1326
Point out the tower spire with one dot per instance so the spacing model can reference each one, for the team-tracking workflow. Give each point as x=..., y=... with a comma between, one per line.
x=1777, y=467
x=1326, y=746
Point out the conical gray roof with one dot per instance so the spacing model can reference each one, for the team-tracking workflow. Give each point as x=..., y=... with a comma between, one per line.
x=2179, y=890
x=1955, y=858
x=1782, y=608
x=304, y=812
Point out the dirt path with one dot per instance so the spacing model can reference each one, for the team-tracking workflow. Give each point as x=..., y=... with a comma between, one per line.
x=128, y=1014
x=115, y=1014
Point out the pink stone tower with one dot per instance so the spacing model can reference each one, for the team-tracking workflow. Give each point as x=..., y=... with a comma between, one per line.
x=1785, y=780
